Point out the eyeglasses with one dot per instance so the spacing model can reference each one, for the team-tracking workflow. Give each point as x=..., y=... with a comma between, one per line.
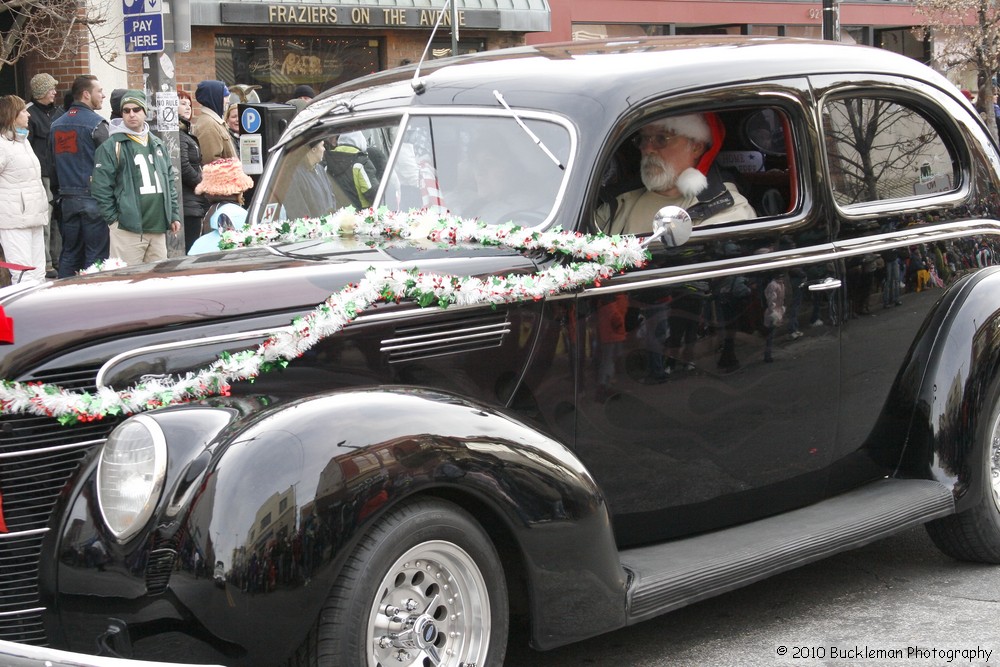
x=657, y=141
x=131, y=110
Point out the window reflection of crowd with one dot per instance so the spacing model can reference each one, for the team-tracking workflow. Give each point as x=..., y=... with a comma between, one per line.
x=286, y=560
x=283, y=561
x=911, y=270
x=707, y=315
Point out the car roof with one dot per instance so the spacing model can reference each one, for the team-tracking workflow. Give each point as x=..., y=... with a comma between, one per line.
x=623, y=71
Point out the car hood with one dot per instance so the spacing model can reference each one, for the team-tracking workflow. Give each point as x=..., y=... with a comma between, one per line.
x=56, y=316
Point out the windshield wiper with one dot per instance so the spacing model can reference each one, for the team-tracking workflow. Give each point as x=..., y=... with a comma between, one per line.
x=527, y=130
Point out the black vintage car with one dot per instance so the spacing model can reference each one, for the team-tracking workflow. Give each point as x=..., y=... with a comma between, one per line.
x=762, y=392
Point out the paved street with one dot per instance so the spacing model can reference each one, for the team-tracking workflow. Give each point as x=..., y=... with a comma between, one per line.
x=893, y=596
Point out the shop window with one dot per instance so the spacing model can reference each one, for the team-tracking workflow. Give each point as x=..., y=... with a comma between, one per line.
x=582, y=31
x=279, y=65
x=442, y=48
x=712, y=30
x=905, y=42
x=879, y=149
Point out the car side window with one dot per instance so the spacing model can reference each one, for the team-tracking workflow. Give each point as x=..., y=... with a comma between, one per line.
x=879, y=149
x=749, y=169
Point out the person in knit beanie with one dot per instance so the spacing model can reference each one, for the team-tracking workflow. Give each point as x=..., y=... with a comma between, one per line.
x=676, y=168
x=134, y=185
x=42, y=110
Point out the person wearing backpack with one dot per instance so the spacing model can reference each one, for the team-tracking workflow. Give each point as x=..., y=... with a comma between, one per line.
x=134, y=185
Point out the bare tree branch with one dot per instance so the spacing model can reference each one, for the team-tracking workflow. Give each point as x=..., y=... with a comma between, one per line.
x=51, y=29
x=966, y=34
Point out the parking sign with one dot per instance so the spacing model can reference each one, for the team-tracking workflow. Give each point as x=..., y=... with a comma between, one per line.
x=132, y=7
x=143, y=25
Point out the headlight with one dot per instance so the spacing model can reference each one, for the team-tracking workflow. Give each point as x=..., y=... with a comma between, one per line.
x=130, y=475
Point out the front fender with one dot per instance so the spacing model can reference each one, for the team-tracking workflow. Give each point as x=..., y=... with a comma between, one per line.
x=957, y=361
x=293, y=487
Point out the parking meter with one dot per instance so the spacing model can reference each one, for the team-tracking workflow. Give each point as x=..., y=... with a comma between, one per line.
x=261, y=125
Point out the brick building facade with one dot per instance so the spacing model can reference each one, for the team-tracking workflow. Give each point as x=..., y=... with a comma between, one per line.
x=280, y=44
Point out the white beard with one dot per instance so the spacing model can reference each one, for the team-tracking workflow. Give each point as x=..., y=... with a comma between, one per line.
x=657, y=175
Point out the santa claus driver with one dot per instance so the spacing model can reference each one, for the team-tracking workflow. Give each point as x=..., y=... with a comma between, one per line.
x=677, y=155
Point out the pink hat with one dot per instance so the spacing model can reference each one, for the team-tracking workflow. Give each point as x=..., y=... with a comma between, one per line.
x=223, y=177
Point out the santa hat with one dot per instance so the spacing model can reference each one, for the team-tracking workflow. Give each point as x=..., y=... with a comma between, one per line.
x=223, y=178
x=706, y=128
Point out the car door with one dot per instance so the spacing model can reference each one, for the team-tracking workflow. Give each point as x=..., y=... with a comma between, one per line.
x=695, y=408
x=901, y=212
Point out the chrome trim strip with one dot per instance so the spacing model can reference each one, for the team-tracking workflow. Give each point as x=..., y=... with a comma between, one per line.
x=433, y=353
x=788, y=258
x=505, y=325
x=929, y=234
x=21, y=612
x=50, y=450
x=825, y=286
x=25, y=655
x=24, y=533
x=208, y=340
x=393, y=152
x=432, y=343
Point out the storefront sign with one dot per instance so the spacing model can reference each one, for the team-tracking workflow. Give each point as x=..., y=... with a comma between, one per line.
x=354, y=16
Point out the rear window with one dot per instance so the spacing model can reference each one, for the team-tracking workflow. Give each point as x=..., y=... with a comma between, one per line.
x=879, y=149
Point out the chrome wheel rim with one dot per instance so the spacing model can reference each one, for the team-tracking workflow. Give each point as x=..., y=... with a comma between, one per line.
x=994, y=455
x=432, y=608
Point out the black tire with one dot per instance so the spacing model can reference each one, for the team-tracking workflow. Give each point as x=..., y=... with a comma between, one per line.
x=974, y=535
x=402, y=563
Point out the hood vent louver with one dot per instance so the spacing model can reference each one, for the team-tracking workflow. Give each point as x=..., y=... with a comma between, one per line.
x=420, y=341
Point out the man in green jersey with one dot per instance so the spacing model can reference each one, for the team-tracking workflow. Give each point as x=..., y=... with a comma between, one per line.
x=133, y=184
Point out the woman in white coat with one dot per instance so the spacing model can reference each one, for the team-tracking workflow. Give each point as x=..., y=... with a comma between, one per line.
x=24, y=208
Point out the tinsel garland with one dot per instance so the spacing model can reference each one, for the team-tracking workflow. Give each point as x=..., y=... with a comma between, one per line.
x=103, y=265
x=598, y=257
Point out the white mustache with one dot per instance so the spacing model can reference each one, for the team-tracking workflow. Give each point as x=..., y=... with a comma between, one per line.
x=656, y=174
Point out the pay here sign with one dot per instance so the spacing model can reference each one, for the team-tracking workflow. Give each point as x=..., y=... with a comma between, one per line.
x=143, y=26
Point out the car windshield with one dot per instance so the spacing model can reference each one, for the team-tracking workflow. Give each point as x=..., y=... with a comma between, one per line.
x=475, y=166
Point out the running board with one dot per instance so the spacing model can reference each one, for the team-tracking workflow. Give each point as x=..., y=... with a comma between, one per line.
x=675, y=574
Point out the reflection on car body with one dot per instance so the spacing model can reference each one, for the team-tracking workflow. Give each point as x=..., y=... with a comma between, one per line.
x=767, y=390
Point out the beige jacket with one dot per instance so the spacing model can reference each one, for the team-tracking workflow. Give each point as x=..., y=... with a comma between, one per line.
x=213, y=137
x=637, y=208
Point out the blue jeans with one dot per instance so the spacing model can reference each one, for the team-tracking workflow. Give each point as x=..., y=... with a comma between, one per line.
x=890, y=293
x=85, y=235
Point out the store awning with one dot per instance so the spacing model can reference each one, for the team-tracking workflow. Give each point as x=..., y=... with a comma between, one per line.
x=502, y=15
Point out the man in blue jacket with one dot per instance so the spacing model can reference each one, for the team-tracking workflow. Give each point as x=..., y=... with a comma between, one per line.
x=73, y=139
x=134, y=186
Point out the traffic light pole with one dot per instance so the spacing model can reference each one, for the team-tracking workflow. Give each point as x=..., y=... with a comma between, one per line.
x=160, y=84
x=831, y=20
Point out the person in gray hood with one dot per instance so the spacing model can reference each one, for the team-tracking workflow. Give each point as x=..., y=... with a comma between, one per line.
x=210, y=128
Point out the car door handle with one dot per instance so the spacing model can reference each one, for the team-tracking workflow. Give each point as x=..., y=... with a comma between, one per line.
x=825, y=285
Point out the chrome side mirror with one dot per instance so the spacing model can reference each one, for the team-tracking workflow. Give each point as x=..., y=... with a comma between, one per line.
x=672, y=225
